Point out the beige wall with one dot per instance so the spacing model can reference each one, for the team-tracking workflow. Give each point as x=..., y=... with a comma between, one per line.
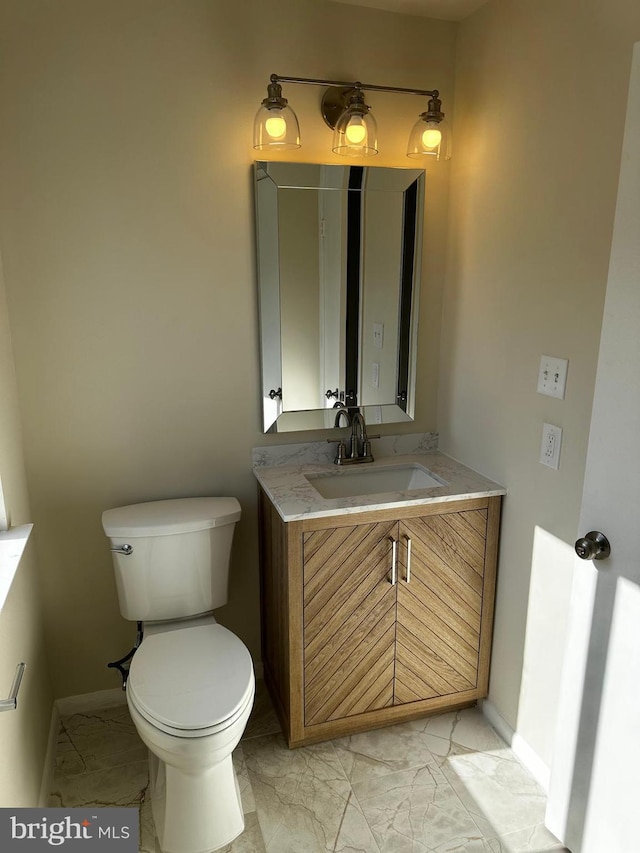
x=533, y=196
x=23, y=732
x=127, y=229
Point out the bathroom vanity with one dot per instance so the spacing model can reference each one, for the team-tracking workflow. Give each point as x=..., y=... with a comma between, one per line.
x=377, y=591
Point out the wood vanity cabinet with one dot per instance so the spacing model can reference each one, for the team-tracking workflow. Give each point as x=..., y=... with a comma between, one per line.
x=359, y=632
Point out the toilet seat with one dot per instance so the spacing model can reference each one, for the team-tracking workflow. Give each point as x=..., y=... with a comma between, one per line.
x=192, y=733
x=191, y=682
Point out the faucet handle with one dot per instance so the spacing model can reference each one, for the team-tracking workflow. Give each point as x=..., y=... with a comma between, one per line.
x=341, y=451
x=367, y=456
x=341, y=455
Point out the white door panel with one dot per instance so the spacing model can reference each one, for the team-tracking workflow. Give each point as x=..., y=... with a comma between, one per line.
x=594, y=794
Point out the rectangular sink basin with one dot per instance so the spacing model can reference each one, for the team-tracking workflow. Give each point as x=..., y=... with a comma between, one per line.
x=350, y=483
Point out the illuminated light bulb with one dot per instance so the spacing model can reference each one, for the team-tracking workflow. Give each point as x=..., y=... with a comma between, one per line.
x=431, y=137
x=276, y=127
x=356, y=131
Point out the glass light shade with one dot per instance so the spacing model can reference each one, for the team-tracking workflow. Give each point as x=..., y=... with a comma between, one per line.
x=355, y=134
x=430, y=138
x=276, y=128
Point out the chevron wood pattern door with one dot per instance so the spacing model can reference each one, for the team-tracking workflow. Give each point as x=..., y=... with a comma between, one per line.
x=440, y=607
x=349, y=618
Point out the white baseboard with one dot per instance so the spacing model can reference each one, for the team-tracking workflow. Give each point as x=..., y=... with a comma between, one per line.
x=91, y=701
x=50, y=759
x=497, y=721
x=521, y=749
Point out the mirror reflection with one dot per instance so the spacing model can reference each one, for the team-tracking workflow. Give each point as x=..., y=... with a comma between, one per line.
x=339, y=269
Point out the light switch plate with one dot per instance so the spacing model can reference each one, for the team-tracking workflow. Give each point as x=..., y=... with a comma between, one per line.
x=552, y=376
x=551, y=441
x=378, y=335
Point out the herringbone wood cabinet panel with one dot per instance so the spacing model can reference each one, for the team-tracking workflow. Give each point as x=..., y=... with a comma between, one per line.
x=353, y=640
x=349, y=621
x=440, y=606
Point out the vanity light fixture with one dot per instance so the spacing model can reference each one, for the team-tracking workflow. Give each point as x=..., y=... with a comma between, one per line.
x=354, y=127
x=276, y=125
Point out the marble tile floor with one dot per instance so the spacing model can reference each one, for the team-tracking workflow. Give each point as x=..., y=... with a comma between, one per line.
x=445, y=784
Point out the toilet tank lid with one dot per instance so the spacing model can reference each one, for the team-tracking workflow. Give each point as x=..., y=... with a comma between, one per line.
x=164, y=518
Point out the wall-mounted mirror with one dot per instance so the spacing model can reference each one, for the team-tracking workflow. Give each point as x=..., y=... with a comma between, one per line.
x=339, y=253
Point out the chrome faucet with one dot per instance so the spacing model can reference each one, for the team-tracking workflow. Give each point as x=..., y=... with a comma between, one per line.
x=342, y=411
x=358, y=437
x=359, y=443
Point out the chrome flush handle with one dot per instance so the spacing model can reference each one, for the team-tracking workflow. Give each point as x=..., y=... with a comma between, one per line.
x=123, y=549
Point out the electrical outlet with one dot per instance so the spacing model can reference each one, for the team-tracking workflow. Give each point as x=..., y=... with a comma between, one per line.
x=375, y=374
x=552, y=376
x=550, y=450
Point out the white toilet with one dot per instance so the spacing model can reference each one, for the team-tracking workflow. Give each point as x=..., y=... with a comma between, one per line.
x=191, y=684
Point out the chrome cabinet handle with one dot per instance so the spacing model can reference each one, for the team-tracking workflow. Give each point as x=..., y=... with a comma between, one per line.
x=394, y=561
x=408, y=560
x=123, y=549
x=11, y=703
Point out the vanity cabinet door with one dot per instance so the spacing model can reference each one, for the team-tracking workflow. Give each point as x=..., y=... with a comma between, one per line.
x=349, y=618
x=440, y=596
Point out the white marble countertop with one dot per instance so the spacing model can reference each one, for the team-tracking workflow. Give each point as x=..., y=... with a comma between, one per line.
x=295, y=498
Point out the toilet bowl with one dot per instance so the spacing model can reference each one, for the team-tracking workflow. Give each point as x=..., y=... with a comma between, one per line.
x=190, y=692
x=191, y=684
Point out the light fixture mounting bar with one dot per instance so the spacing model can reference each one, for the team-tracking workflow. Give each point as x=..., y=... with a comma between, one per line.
x=430, y=93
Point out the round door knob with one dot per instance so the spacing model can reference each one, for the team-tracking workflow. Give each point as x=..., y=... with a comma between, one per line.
x=593, y=546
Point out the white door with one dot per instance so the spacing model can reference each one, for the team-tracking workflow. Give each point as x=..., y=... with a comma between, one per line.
x=594, y=795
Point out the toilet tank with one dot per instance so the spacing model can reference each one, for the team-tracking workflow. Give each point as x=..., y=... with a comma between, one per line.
x=179, y=562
